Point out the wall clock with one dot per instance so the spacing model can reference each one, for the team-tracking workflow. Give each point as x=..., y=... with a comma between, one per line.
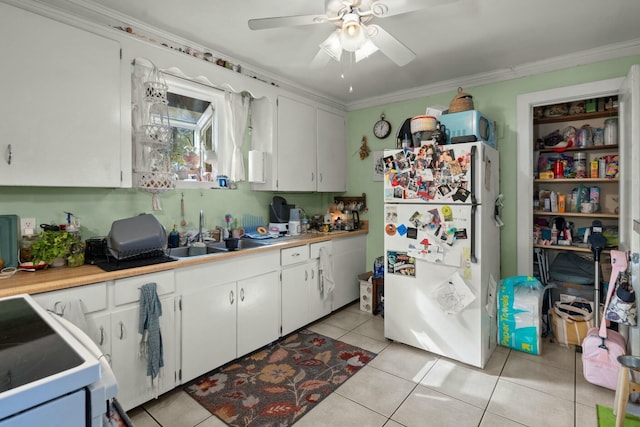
x=382, y=128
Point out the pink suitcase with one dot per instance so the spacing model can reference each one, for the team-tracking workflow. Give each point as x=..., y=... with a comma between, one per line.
x=602, y=346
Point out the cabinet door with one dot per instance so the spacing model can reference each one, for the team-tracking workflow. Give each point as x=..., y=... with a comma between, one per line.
x=258, y=312
x=134, y=386
x=319, y=302
x=208, y=329
x=295, y=297
x=99, y=330
x=296, y=145
x=60, y=109
x=331, y=152
x=349, y=259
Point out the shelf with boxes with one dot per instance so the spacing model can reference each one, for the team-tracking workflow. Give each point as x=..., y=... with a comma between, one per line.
x=576, y=173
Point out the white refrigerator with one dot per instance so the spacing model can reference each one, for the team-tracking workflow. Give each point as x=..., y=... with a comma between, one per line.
x=442, y=249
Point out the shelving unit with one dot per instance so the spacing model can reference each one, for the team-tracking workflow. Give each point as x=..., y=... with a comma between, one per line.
x=608, y=187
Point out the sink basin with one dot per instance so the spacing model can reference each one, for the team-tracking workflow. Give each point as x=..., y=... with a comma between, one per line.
x=242, y=244
x=181, y=252
x=216, y=248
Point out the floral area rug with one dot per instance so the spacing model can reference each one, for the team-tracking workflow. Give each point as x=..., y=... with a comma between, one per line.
x=277, y=385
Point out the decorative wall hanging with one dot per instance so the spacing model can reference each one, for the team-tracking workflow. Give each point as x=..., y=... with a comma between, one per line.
x=152, y=133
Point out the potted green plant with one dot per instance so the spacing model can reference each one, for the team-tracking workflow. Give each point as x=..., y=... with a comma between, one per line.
x=56, y=248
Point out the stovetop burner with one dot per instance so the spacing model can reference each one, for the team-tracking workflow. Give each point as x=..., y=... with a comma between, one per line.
x=29, y=348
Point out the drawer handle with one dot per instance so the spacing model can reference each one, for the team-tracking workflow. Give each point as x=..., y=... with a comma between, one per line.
x=296, y=254
x=9, y=154
x=231, y=298
x=241, y=294
x=121, y=331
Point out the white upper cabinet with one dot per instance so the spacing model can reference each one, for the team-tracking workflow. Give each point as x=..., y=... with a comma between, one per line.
x=60, y=109
x=296, y=145
x=331, y=152
x=309, y=152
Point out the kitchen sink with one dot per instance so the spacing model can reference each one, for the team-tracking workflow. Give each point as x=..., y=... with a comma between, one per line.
x=242, y=244
x=216, y=248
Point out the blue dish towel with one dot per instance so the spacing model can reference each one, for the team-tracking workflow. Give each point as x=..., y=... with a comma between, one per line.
x=149, y=327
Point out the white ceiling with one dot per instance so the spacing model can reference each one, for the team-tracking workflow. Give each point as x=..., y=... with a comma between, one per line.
x=453, y=41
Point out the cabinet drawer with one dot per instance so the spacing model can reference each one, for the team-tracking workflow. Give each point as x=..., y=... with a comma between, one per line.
x=315, y=248
x=294, y=255
x=93, y=297
x=128, y=290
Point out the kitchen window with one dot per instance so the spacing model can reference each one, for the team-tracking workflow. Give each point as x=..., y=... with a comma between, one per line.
x=195, y=116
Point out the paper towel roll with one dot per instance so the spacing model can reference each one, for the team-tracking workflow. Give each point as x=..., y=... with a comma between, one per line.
x=256, y=166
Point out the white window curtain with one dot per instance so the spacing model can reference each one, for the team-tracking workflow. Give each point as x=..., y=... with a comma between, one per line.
x=237, y=115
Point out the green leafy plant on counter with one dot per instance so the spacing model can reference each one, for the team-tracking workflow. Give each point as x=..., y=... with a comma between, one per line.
x=57, y=244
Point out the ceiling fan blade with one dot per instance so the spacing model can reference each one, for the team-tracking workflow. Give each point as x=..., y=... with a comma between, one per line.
x=390, y=46
x=321, y=59
x=286, y=21
x=385, y=8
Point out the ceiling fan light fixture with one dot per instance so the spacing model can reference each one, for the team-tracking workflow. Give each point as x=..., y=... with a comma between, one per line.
x=353, y=34
x=332, y=45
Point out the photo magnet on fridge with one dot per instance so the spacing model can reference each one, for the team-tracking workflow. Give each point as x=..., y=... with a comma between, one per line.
x=412, y=233
x=461, y=194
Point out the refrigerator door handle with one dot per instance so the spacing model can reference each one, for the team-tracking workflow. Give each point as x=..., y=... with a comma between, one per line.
x=474, y=202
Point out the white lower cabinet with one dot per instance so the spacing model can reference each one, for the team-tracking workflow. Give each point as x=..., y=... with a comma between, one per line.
x=130, y=369
x=258, y=309
x=112, y=312
x=349, y=260
x=228, y=310
x=303, y=295
x=319, y=295
x=208, y=329
x=295, y=295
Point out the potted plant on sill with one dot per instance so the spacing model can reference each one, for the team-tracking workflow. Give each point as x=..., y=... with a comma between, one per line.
x=57, y=248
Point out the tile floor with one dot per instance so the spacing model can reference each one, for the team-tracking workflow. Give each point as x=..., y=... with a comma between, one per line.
x=404, y=386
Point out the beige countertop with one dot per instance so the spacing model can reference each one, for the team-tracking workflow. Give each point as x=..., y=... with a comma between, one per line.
x=51, y=279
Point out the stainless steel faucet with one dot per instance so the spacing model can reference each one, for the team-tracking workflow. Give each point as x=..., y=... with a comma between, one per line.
x=201, y=227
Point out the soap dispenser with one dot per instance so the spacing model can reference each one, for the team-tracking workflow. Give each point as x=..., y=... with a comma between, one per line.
x=174, y=238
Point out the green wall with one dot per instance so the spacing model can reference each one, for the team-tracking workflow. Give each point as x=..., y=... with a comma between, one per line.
x=98, y=208
x=497, y=101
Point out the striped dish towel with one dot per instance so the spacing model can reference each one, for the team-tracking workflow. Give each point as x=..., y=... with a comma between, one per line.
x=149, y=327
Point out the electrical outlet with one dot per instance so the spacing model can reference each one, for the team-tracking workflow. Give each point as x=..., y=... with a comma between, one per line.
x=27, y=224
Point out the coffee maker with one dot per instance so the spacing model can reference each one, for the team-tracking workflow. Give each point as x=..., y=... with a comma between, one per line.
x=352, y=220
x=279, y=212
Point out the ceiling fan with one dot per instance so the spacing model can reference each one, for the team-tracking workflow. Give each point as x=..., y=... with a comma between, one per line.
x=354, y=32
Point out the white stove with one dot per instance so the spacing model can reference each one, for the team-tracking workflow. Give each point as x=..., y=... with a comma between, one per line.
x=47, y=375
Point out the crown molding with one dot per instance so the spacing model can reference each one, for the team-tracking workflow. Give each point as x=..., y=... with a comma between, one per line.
x=604, y=53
